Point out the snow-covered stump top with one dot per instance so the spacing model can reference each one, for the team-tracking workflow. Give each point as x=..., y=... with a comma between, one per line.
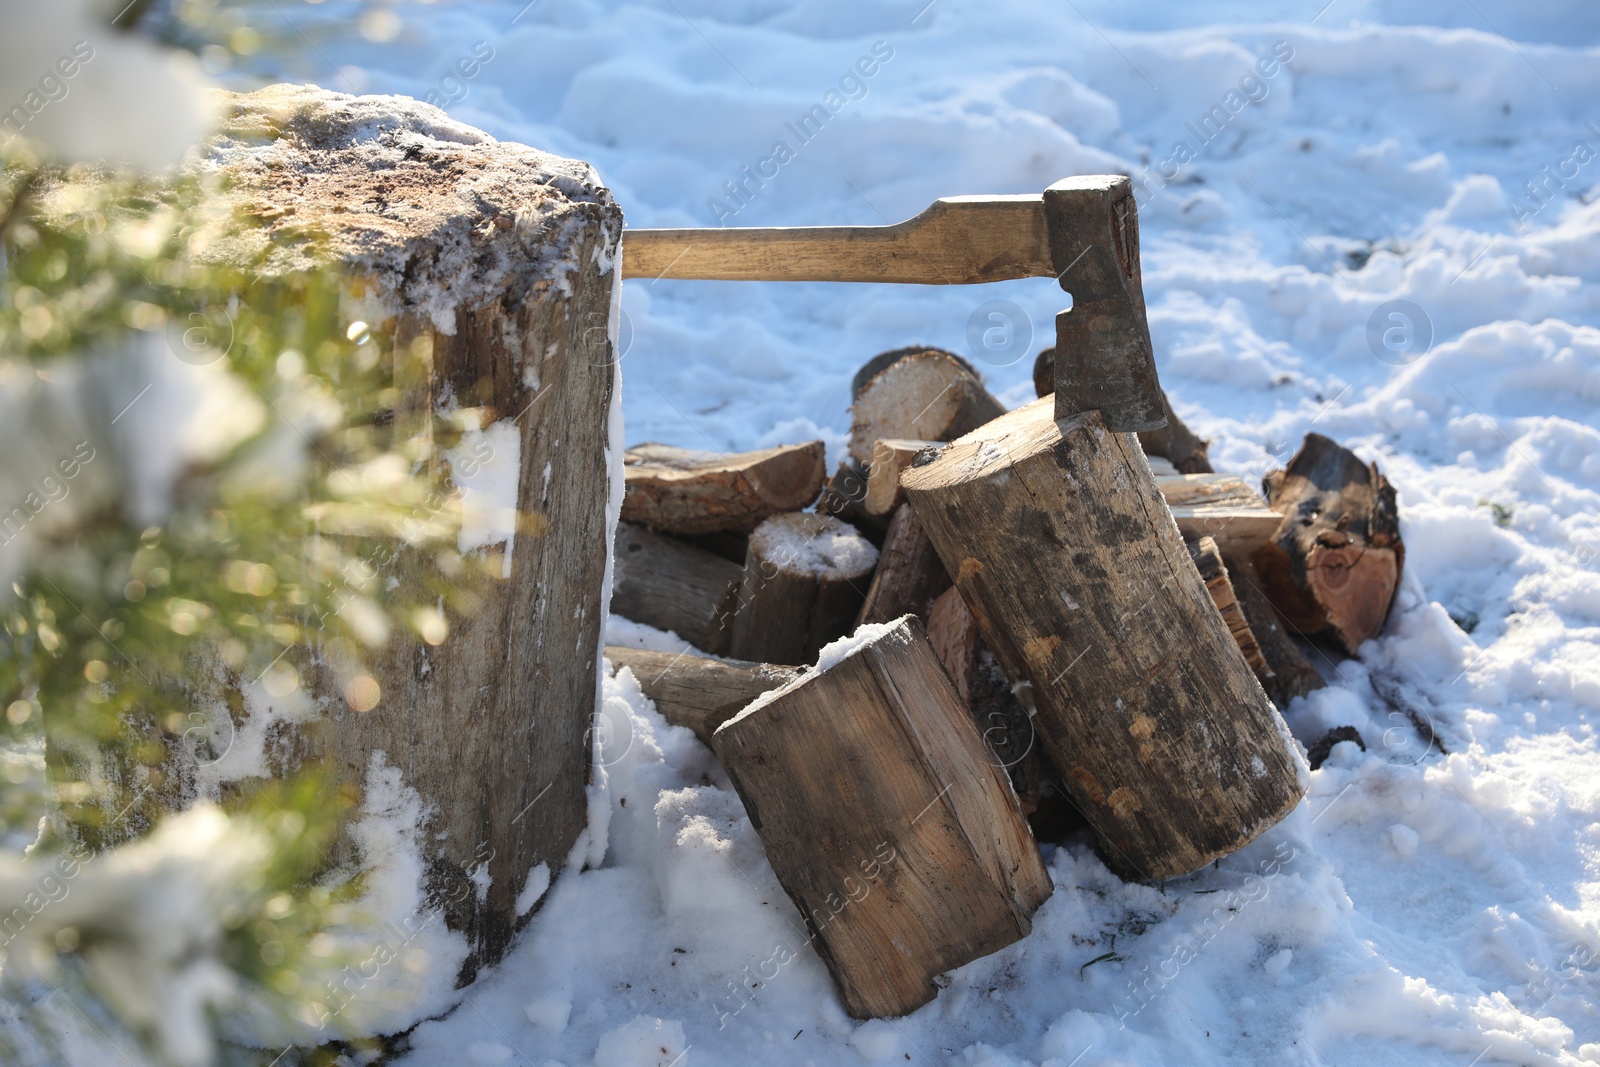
x=500, y=259
x=805, y=578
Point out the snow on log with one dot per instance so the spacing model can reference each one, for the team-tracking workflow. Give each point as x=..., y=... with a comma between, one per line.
x=500, y=261
x=805, y=577
x=886, y=821
x=666, y=583
x=686, y=492
x=697, y=693
x=1332, y=566
x=1144, y=702
x=925, y=394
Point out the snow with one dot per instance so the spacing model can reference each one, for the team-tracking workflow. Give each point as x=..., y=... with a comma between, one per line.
x=486, y=466
x=1392, y=239
x=819, y=545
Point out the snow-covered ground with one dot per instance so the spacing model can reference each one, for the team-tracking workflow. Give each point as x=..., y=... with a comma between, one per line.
x=1387, y=233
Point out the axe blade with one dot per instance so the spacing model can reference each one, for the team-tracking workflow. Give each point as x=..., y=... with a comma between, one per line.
x=1104, y=360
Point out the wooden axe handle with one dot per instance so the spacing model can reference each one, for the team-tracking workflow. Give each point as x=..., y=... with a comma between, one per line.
x=957, y=240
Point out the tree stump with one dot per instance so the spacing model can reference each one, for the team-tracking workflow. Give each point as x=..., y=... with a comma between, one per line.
x=1164, y=739
x=926, y=394
x=909, y=575
x=884, y=819
x=1333, y=566
x=685, y=492
x=698, y=693
x=805, y=578
x=662, y=582
x=501, y=261
x=1174, y=442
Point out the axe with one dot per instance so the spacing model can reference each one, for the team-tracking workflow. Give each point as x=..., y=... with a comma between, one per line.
x=1084, y=232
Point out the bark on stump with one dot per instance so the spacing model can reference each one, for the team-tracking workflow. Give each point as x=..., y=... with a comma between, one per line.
x=1165, y=740
x=929, y=395
x=697, y=693
x=500, y=260
x=805, y=578
x=910, y=573
x=1333, y=566
x=663, y=582
x=885, y=821
x=685, y=492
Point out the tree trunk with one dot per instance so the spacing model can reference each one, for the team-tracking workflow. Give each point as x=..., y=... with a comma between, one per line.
x=805, y=578
x=1333, y=565
x=684, y=492
x=698, y=693
x=909, y=575
x=926, y=395
x=885, y=820
x=663, y=582
x=1165, y=740
x=1174, y=442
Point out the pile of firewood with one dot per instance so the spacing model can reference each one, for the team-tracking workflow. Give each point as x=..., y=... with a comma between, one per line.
x=1054, y=626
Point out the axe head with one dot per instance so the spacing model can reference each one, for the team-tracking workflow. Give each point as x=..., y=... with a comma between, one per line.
x=1103, y=359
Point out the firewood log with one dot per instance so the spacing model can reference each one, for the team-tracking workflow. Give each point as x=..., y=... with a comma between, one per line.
x=1333, y=565
x=1292, y=674
x=890, y=456
x=1174, y=441
x=695, y=692
x=885, y=820
x=1143, y=700
x=1208, y=561
x=909, y=575
x=1220, y=506
x=928, y=395
x=680, y=491
x=843, y=499
x=662, y=582
x=870, y=369
x=805, y=577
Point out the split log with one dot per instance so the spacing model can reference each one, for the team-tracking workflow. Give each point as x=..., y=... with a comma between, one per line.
x=490, y=729
x=1292, y=675
x=890, y=456
x=909, y=575
x=662, y=582
x=805, y=578
x=1332, y=567
x=685, y=492
x=884, y=819
x=844, y=500
x=1006, y=725
x=695, y=692
x=1220, y=506
x=927, y=395
x=1143, y=700
x=1208, y=561
x=1174, y=442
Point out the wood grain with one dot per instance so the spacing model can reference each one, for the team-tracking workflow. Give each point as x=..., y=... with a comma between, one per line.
x=686, y=492
x=663, y=582
x=897, y=837
x=1143, y=700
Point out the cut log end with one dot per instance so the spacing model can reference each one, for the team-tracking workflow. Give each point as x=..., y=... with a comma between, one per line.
x=928, y=395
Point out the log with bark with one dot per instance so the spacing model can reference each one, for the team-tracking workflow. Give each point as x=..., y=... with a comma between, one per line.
x=909, y=575
x=696, y=692
x=1006, y=725
x=1062, y=547
x=1174, y=441
x=663, y=582
x=925, y=394
x=885, y=820
x=491, y=728
x=805, y=578
x=685, y=492
x=844, y=499
x=1333, y=565
x=1214, y=572
x=1292, y=674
